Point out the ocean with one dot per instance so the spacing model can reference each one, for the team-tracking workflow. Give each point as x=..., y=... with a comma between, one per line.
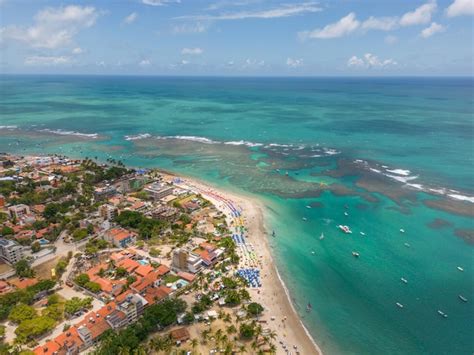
x=379, y=155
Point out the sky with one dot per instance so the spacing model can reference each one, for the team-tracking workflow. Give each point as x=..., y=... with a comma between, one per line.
x=238, y=37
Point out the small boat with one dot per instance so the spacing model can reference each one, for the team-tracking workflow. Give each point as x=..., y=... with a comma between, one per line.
x=321, y=237
x=402, y=230
x=305, y=219
x=346, y=214
x=442, y=314
x=460, y=269
x=362, y=234
x=355, y=254
x=345, y=229
x=308, y=206
x=309, y=307
x=462, y=298
x=404, y=280
x=313, y=252
x=399, y=305
x=286, y=173
x=407, y=245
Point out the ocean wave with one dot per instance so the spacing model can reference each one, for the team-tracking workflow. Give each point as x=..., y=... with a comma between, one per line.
x=404, y=179
x=69, y=133
x=190, y=138
x=246, y=143
x=137, y=137
x=462, y=197
x=8, y=127
x=399, y=171
x=330, y=151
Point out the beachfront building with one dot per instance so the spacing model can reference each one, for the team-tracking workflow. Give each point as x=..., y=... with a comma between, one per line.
x=159, y=191
x=133, y=183
x=120, y=237
x=184, y=260
x=10, y=251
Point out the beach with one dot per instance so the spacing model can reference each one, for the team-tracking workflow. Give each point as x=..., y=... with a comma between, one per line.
x=280, y=315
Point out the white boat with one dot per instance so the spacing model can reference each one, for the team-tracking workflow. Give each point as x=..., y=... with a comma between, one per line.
x=308, y=206
x=460, y=269
x=362, y=234
x=441, y=313
x=305, y=219
x=345, y=229
x=346, y=214
x=402, y=230
x=462, y=298
x=404, y=280
x=407, y=245
x=399, y=305
x=313, y=252
x=321, y=237
x=355, y=254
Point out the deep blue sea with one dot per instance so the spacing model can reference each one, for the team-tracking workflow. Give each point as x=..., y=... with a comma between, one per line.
x=375, y=154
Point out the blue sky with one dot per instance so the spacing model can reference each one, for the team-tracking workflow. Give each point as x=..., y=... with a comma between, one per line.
x=238, y=37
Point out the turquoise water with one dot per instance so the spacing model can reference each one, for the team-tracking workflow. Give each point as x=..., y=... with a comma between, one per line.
x=388, y=152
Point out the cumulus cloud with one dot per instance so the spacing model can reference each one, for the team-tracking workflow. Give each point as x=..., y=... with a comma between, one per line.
x=77, y=50
x=420, y=15
x=369, y=61
x=253, y=63
x=344, y=26
x=160, y=2
x=53, y=27
x=38, y=60
x=192, y=51
x=460, y=7
x=130, y=18
x=432, y=29
x=285, y=10
x=145, y=63
x=380, y=23
x=294, y=62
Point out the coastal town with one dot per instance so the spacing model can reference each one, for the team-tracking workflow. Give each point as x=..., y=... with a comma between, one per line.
x=100, y=258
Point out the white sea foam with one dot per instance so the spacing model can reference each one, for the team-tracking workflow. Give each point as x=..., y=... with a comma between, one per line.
x=69, y=133
x=417, y=186
x=191, y=138
x=330, y=151
x=138, y=136
x=246, y=143
x=462, y=197
x=375, y=170
x=8, y=127
x=403, y=179
x=399, y=171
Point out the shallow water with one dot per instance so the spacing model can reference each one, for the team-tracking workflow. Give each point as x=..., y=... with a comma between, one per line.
x=339, y=145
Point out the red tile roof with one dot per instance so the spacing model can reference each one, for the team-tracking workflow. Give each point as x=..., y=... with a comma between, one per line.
x=144, y=270
x=49, y=348
x=156, y=294
x=129, y=264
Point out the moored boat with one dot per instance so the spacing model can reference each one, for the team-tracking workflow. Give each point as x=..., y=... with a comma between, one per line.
x=345, y=229
x=442, y=314
x=399, y=305
x=462, y=298
x=355, y=254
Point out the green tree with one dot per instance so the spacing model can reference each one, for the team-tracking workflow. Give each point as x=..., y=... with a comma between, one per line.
x=7, y=231
x=35, y=247
x=76, y=304
x=92, y=286
x=22, y=312
x=255, y=309
x=82, y=279
x=247, y=330
x=32, y=328
x=23, y=269
x=120, y=272
x=53, y=311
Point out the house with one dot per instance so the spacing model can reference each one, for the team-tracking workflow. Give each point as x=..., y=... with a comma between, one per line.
x=129, y=264
x=120, y=237
x=156, y=294
x=69, y=341
x=18, y=211
x=49, y=348
x=101, y=193
x=180, y=335
x=209, y=253
x=108, y=212
x=158, y=191
x=186, y=276
x=183, y=260
x=144, y=270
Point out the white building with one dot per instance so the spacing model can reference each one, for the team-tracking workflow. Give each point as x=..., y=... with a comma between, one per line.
x=159, y=191
x=10, y=251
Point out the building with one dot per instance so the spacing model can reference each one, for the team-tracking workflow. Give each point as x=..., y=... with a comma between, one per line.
x=108, y=212
x=159, y=191
x=10, y=251
x=18, y=211
x=132, y=306
x=180, y=335
x=184, y=260
x=131, y=184
x=165, y=213
x=120, y=237
x=101, y=193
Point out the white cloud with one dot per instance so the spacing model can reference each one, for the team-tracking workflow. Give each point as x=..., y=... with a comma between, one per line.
x=38, y=60
x=420, y=15
x=369, y=61
x=432, y=29
x=285, y=10
x=54, y=27
x=253, y=63
x=380, y=23
x=344, y=26
x=130, y=18
x=160, y=2
x=184, y=62
x=294, y=62
x=77, y=50
x=460, y=7
x=192, y=51
x=145, y=63
x=390, y=39
x=189, y=28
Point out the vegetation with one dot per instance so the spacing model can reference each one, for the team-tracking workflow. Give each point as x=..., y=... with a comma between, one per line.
x=155, y=317
x=76, y=304
x=146, y=227
x=82, y=279
x=21, y=312
x=35, y=247
x=247, y=330
x=94, y=245
x=32, y=328
x=23, y=269
x=255, y=309
x=93, y=286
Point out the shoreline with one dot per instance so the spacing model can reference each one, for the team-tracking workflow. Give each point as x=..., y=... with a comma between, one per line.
x=277, y=304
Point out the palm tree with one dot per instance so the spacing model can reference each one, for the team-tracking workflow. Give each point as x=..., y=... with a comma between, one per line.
x=194, y=343
x=242, y=349
x=273, y=348
x=231, y=329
